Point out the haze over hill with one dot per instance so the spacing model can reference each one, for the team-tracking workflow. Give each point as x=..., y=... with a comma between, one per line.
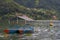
x=47, y=4
x=35, y=9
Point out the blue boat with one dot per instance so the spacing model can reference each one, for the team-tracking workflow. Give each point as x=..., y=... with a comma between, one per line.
x=20, y=30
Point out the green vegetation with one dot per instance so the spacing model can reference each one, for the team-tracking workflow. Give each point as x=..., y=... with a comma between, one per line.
x=11, y=7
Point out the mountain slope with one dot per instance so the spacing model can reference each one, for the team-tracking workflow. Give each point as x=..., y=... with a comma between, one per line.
x=9, y=7
x=44, y=4
x=22, y=7
x=47, y=4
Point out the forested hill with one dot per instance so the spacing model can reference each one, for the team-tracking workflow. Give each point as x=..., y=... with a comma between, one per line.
x=36, y=9
x=48, y=4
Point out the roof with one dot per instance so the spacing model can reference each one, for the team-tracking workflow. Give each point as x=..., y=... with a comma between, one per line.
x=25, y=18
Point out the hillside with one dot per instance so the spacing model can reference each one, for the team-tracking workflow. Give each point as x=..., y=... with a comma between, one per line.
x=47, y=4
x=31, y=8
x=8, y=7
